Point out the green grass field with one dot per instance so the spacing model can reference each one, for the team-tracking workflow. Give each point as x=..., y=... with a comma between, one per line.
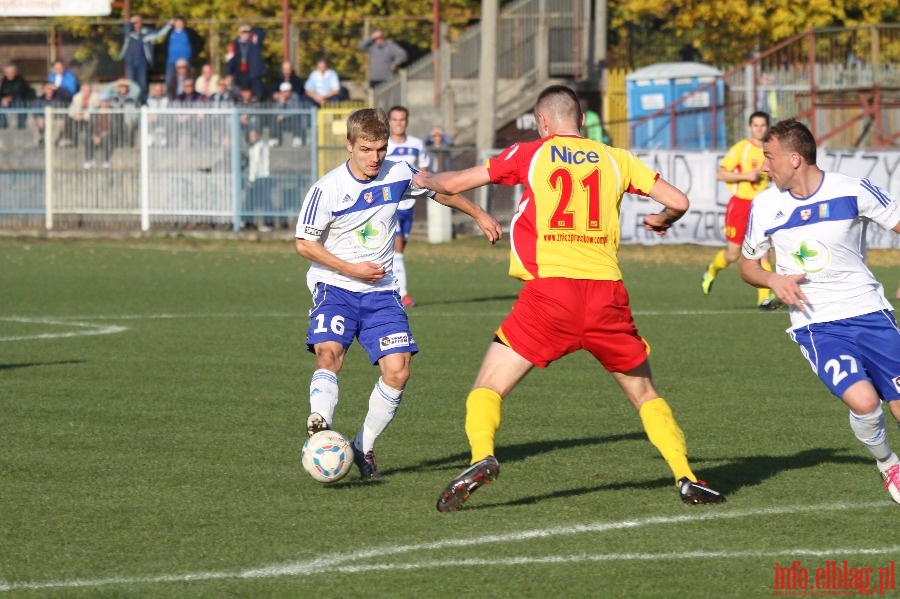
x=153, y=397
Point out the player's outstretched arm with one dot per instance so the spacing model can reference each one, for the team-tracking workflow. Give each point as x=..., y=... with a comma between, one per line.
x=785, y=287
x=313, y=250
x=451, y=182
x=675, y=202
x=487, y=223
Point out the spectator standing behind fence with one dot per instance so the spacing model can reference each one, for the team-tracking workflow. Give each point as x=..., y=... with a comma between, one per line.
x=100, y=132
x=259, y=183
x=251, y=119
x=385, y=57
x=285, y=103
x=182, y=43
x=14, y=95
x=158, y=124
x=137, y=51
x=188, y=122
x=438, y=147
x=208, y=82
x=63, y=80
x=245, y=62
x=323, y=84
x=78, y=123
x=47, y=99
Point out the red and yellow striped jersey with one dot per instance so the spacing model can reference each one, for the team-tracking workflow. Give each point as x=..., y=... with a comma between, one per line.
x=744, y=157
x=567, y=222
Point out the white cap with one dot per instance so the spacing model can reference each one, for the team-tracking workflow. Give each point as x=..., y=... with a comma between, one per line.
x=285, y=87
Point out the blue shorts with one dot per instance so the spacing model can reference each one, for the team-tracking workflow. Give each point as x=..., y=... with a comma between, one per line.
x=404, y=224
x=855, y=349
x=377, y=319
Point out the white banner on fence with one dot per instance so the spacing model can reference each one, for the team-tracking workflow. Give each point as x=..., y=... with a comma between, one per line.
x=55, y=8
x=695, y=174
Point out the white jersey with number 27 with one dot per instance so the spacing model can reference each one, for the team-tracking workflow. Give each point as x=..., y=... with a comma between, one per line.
x=824, y=237
x=355, y=220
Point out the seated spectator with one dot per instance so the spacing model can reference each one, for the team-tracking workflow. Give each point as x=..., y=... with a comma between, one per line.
x=15, y=93
x=223, y=98
x=288, y=75
x=233, y=88
x=124, y=96
x=175, y=86
x=323, y=84
x=208, y=82
x=123, y=92
x=46, y=99
x=157, y=98
x=158, y=124
x=83, y=104
x=64, y=81
x=286, y=101
x=189, y=95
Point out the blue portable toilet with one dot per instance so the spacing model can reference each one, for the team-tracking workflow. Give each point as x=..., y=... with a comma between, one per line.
x=655, y=87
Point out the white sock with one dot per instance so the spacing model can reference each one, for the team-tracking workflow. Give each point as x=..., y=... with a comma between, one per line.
x=400, y=272
x=383, y=403
x=872, y=432
x=323, y=394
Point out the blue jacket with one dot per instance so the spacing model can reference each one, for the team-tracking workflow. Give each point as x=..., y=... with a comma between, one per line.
x=69, y=81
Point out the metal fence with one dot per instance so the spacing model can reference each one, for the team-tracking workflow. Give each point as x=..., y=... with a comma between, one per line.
x=157, y=168
x=844, y=83
x=179, y=169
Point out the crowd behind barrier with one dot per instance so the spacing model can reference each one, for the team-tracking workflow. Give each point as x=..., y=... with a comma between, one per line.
x=179, y=167
x=171, y=168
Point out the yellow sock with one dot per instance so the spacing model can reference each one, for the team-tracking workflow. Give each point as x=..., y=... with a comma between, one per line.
x=763, y=293
x=482, y=421
x=719, y=263
x=666, y=436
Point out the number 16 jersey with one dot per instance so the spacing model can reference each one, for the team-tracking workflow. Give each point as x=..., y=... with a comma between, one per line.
x=567, y=222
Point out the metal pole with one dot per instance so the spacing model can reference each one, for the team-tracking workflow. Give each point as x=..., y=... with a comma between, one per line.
x=145, y=170
x=598, y=62
x=286, y=30
x=435, y=49
x=487, y=76
x=48, y=168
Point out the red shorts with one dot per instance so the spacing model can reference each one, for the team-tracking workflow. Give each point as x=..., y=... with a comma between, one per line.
x=736, y=215
x=555, y=317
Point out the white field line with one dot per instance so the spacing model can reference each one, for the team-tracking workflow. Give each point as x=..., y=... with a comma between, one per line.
x=612, y=557
x=343, y=562
x=83, y=328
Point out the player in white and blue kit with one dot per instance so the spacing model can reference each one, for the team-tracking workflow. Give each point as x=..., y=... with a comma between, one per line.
x=346, y=228
x=816, y=223
x=410, y=149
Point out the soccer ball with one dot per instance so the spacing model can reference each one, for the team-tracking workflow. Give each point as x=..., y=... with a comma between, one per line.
x=327, y=456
